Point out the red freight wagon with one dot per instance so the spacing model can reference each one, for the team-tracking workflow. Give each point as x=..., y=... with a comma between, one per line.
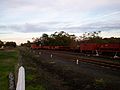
x=34, y=46
x=64, y=48
x=89, y=46
x=45, y=47
x=110, y=47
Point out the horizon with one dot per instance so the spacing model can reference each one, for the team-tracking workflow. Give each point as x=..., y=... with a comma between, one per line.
x=21, y=20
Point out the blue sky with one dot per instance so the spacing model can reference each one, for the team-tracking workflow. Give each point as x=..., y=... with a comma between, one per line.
x=20, y=20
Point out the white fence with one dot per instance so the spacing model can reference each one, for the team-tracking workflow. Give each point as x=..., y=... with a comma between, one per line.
x=21, y=79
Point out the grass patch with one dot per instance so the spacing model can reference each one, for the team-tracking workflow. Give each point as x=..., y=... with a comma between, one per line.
x=32, y=80
x=8, y=60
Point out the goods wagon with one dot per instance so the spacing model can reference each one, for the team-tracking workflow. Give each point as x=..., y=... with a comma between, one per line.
x=61, y=48
x=89, y=47
x=34, y=46
x=109, y=48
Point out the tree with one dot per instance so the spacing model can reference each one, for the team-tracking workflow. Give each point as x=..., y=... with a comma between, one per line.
x=10, y=44
x=28, y=44
x=62, y=38
x=1, y=44
x=92, y=37
x=57, y=39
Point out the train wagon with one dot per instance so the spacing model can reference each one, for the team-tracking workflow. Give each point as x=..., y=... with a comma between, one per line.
x=34, y=46
x=89, y=47
x=109, y=47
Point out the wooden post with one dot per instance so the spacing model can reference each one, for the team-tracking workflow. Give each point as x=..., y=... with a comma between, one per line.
x=115, y=56
x=51, y=55
x=21, y=79
x=39, y=53
x=97, y=54
x=77, y=61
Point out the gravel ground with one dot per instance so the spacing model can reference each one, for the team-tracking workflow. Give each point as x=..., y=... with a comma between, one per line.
x=63, y=73
x=91, y=69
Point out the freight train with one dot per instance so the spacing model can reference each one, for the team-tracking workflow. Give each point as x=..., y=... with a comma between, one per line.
x=109, y=49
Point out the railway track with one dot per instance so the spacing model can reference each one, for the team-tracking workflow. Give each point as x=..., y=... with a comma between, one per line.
x=102, y=63
x=73, y=57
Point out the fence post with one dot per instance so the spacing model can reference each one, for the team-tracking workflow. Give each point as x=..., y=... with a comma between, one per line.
x=77, y=61
x=21, y=79
x=11, y=81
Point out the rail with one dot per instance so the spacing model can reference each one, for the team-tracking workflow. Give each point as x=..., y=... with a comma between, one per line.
x=21, y=79
x=112, y=65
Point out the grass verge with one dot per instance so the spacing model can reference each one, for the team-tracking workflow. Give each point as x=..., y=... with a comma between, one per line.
x=8, y=60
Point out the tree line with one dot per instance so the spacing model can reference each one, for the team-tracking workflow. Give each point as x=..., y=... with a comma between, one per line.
x=65, y=39
x=57, y=39
x=94, y=37
x=7, y=44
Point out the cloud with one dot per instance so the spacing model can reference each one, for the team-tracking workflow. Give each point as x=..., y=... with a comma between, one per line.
x=58, y=4
x=30, y=18
x=62, y=26
x=32, y=28
x=99, y=26
x=25, y=11
x=24, y=32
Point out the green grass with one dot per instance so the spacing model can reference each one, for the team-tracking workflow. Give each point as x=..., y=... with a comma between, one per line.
x=8, y=60
x=31, y=78
x=33, y=85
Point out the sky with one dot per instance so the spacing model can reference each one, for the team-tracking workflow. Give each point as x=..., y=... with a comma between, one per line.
x=21, y=20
